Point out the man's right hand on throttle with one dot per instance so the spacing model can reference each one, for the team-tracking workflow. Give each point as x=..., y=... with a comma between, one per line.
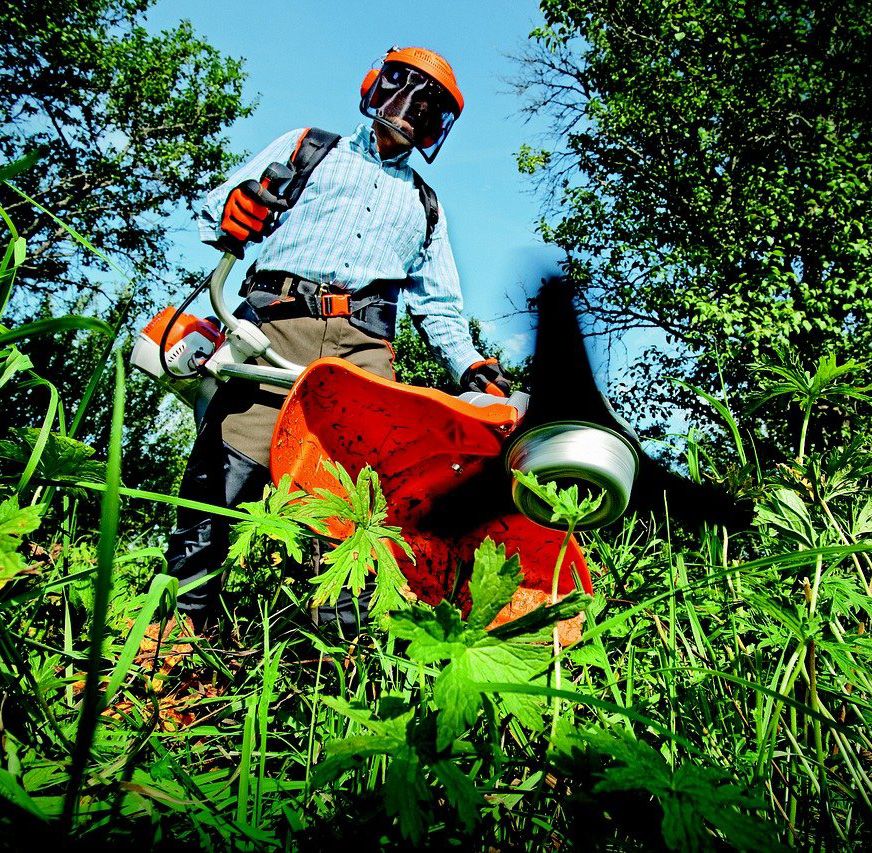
x=244, y=218
x=486, y=377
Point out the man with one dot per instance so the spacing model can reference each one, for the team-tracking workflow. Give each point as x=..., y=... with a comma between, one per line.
x=326, y=283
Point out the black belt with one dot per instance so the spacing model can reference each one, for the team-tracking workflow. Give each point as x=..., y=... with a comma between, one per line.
x=372, y=309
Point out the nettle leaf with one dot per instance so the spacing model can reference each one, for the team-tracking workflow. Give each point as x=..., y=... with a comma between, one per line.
x=436, y=633
x=62, y=459
x=565, y=505
x=696, y=800
x=493, y=583
x=15, y=523
x=369, y=548
x=477, y=656
x=490, y=660
x=785, y=511
x=283, y=516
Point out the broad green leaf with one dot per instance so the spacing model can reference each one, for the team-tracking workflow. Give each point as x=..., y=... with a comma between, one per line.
x=784, y=510
x=490, y=661
x=518, y=652
x=15, y=522
x=63, y=460
x=13, y=792
x=406, y=791
x=435, y=633
x=348, y=753
x=493, y=582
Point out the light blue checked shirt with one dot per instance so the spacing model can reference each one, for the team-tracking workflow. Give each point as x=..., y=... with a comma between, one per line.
x=360, y=218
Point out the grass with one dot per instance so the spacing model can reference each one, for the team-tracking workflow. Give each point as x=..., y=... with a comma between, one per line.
x=720, y=694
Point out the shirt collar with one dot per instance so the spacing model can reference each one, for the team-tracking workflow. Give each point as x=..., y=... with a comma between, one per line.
x=363, y=139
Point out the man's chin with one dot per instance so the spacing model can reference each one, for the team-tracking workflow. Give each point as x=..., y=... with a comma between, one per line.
x=401, y=132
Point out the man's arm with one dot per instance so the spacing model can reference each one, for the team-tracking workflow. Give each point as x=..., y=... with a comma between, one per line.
x=210, y=214
x=435, y=302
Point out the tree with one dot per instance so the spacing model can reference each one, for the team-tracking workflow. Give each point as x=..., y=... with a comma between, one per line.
x=711, y=176
x=130, y=126
x=416, y=365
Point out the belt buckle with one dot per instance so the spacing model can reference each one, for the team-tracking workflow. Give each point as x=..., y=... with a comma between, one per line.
x=335, y=304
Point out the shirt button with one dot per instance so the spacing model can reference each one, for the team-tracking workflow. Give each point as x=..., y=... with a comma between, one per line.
x=376, y=184
x=369, y=210
x=347, y=264
x=358, y=236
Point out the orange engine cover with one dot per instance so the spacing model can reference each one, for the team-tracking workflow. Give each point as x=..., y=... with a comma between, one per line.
x=439, y=460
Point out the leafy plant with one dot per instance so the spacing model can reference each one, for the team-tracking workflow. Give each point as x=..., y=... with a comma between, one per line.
x=15, y=522
x=367, y=550
x=695, y=799
x=514, y=652
x=788, y=379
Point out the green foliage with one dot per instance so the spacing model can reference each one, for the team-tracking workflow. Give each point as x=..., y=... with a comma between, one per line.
x=129, y=125
x=719, y=694
x=277, y=519
x=367, y=550
x=62, y=459
x=714, y=677
x=566, y=508
x=15, y=522
x=786, y=378
x=476, y=656
x=711, y=176
x=279, y=530
x=694, y=799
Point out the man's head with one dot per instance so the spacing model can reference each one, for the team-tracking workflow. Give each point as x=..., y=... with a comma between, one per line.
x=413, y=100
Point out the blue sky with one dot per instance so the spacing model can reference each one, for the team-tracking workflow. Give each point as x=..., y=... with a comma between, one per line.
x=306, y=59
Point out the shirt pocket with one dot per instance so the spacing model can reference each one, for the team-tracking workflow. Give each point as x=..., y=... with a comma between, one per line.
x=407, y=222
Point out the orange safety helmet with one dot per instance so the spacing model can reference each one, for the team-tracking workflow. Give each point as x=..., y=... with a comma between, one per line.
x=413, y=92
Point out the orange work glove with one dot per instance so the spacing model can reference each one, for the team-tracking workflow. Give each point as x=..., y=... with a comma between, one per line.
x=244, y=218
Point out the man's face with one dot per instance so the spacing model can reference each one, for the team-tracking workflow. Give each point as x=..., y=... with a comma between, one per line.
x=411, y=102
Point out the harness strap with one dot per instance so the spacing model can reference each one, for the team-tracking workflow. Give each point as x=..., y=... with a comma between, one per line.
x=313, y=146
x=431, y=206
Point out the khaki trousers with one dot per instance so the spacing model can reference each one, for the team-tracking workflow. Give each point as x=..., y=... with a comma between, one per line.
x=249, y=424
x=230, y=458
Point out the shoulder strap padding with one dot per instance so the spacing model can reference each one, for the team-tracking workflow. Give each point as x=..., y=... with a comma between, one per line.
x=312, y=147
x=430, y=203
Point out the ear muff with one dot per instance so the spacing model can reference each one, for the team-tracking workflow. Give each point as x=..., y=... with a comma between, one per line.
x=368, y=81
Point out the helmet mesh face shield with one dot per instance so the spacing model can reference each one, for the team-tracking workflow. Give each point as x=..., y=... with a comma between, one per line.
x=413, y=104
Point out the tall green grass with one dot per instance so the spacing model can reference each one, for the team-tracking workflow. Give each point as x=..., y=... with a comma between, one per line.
x=719, y=695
